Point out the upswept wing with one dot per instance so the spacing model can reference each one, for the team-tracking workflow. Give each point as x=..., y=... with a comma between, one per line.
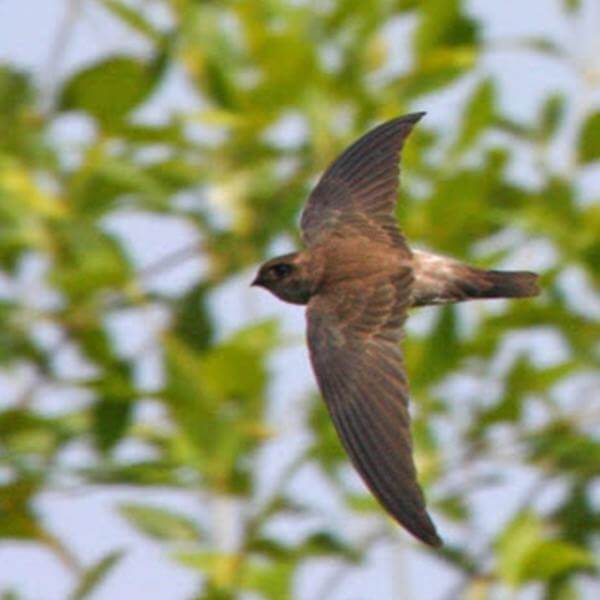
x=353, y=335
x=357, y=193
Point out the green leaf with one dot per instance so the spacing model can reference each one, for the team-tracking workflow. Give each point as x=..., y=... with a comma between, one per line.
x=146, y=473
x=553, y=112
x=554, y=558
x=562, y=448
x=526, y=554
x=453, y=507
x=109, y=89
x=543, y=45
x=17, y=517
x=93, y=577
x=325, y=543
x=478, y=115
x=510, y=405
x=161, y=524
x=563, y=590
x=270, y=548
x=516, y=544
x=107, y=179
x=21, y=127
x=25, y=433
x=443, y=24
x=578, y=518
x=87, y=260
x=221, y=569
x=193, y=323
x=273, y=580
x=15, y=91
x=220, y=415
x=441, y=351
x=219, y=84
x=589, y=139
x=111, y=417
x=445, y=45
x=572, y=6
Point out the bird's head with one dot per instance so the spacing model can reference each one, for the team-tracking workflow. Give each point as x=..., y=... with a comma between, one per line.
x=287, y=277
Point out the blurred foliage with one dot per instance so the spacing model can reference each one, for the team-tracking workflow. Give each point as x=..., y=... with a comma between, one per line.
x=329, y=66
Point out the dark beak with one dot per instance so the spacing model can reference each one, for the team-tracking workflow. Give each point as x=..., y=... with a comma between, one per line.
x=256, y=281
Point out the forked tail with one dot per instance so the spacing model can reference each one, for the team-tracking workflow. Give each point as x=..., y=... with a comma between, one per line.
x=442, y=280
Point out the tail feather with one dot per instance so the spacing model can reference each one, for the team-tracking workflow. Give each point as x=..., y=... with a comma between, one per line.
x=509, y=284
x=442, y=280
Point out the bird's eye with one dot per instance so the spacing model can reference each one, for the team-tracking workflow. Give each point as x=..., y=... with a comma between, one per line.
x=281, y=270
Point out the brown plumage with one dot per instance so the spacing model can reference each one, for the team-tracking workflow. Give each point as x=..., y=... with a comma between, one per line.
x=359, y=277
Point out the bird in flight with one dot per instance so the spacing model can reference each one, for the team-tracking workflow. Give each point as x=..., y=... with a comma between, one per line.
x=358, y=277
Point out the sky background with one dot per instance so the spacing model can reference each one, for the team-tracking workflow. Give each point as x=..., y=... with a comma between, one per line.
x=29, y=30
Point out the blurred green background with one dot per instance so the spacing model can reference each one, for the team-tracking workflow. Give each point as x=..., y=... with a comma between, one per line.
x=145, y=174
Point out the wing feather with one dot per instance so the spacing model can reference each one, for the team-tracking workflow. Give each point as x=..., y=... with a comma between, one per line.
x=353, y=335
x=357, y=193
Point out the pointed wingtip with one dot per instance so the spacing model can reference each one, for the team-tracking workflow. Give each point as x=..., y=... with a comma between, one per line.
x=424, y=530
x=433, y=540
x=413, y=117
x=405, y=123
